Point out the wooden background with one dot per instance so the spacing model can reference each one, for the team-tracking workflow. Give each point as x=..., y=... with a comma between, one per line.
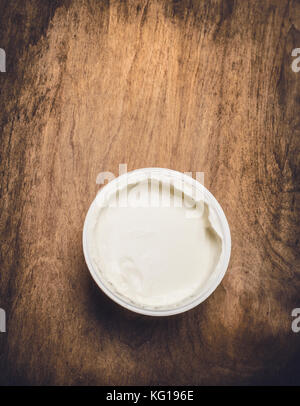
x=188, y=85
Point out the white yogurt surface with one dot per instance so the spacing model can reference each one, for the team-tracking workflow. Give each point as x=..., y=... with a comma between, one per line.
x=149, y=254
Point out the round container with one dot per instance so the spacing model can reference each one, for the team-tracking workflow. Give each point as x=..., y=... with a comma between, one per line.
x=220, y=224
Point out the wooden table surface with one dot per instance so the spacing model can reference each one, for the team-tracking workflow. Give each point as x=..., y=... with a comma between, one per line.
x=187, y=85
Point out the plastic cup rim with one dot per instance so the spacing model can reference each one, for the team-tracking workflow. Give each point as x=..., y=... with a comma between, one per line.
x=196, y=300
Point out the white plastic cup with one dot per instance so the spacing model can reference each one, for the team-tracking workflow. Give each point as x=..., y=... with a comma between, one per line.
x=220, y=222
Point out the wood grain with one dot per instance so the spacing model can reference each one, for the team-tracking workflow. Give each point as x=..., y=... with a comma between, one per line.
x=187, y=85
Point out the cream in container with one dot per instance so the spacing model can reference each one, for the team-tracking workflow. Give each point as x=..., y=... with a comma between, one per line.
x=156, y=241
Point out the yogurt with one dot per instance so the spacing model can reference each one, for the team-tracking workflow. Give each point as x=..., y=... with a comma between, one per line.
x=153, y=243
